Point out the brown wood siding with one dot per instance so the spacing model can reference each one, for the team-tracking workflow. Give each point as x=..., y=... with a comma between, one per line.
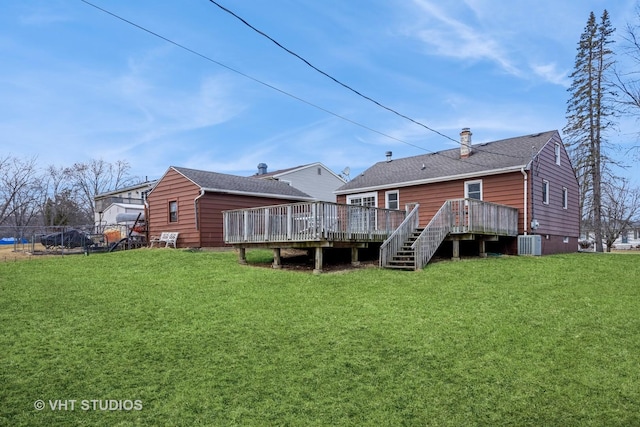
x=207, y=229
x=553, y=219
x=506, y=189
x=174, y=186
x=211, y=206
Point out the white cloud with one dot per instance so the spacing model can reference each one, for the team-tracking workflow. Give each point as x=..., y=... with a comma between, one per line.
x=550, y=73
x=457, y=39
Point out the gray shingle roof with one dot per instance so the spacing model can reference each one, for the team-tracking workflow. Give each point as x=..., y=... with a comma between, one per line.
x=445, y=165
x=213, y=181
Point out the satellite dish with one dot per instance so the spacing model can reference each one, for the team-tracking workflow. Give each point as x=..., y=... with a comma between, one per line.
x=345, y=172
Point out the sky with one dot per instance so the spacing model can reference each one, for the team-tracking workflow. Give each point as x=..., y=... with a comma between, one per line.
x=185, y=83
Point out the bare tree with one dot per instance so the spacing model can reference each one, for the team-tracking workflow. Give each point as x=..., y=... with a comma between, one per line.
x=97, y=177
x=627, y=73
x=59, y=208
x=621, y=206
x=21, y=191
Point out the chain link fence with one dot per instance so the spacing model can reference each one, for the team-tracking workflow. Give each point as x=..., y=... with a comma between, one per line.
x=67, y=240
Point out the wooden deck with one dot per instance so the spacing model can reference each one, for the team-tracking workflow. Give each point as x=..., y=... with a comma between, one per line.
x=309, y=225
x=318, y=225
x=456, y=220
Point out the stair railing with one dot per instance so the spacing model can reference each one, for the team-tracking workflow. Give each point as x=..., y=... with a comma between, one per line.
x=432, y=236
x=392, y=245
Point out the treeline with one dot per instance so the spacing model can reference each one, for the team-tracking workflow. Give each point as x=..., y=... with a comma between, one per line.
x=56, y=196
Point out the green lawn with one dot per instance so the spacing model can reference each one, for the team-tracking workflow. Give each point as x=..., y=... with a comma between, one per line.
x=197, y=339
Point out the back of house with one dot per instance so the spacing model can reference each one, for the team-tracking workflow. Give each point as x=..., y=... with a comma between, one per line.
x=531, y=173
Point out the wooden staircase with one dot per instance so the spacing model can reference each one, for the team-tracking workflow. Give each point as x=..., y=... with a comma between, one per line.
x=405, y=257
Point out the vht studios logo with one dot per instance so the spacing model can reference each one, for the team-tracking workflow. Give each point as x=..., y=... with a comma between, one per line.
x=89, y=405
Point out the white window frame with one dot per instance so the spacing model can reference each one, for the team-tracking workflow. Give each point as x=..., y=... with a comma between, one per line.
x=545, y=191
x=557, y=153
x=565, y=198
x=386, y=199
x=466, y=188
x=352, y=197
x=173, y=204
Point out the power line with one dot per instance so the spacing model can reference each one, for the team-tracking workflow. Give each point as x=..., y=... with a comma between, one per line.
x=346, y=86
x=270, y=86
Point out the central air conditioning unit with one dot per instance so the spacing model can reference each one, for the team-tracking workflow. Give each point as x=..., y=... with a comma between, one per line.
x=530, y=245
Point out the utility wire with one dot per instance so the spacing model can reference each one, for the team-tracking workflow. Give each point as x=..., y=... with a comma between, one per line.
x=297, y=98
x=346, y=86
x=270, y=86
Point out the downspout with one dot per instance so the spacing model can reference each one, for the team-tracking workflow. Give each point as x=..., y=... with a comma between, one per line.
x=526, y=198
x=147, y=218
x=195, y=209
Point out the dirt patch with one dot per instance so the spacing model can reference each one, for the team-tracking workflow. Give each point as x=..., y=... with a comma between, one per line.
x=300, y=260
x=25, y=252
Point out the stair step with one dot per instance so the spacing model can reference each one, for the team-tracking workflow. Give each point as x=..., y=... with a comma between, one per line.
x=404, y=258
x=400, y=267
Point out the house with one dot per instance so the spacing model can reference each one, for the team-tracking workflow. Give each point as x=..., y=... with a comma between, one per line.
x=530, y=173
x=629, y=238
x=127, y=200
x=191, y=202
x=315, y=179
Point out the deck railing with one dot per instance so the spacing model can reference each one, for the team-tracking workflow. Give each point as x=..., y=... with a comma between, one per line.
x=462, y=216
x=432, y=236
x=313, y=221
x=394, y=243
x=476, y=216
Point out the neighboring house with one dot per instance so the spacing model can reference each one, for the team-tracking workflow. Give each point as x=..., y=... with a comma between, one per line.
x=191, y=202
x=531, y=173
x=128, y=200
x=314, y=179
x=629, y=239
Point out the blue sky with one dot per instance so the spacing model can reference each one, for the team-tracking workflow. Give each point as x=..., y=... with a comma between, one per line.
x=79, y=84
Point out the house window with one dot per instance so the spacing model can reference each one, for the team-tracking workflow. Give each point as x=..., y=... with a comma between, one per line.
x=565, y=239
x=319, y=171
x=625, y=237
x=366, y=199
x=565, y=197
x=473, y=190
x=173, y=211
x=557, y=152
x=392, y=200
x=545, y=191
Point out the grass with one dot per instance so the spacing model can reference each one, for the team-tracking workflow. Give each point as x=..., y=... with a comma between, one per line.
x=201, y=340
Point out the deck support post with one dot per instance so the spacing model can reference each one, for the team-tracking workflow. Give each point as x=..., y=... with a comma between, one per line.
x=456, y=250
x=277, y=260
x=318, y=266
x=242, y=255
x=483, y=251
x=354, y=257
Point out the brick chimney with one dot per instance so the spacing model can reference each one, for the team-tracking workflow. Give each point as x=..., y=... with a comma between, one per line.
x=465, y=143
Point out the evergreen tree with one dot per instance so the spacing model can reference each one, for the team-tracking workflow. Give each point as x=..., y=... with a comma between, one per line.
x=589, y=114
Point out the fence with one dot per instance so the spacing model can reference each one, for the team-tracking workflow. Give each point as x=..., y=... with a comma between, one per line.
x=57, y=240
